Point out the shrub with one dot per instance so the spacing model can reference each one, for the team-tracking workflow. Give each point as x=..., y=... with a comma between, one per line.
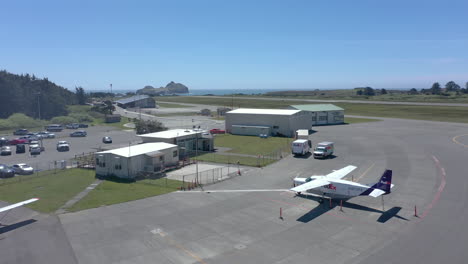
x=23, y=121
x=81, y=117
x=63, y=120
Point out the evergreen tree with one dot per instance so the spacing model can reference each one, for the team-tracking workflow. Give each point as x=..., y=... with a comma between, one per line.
x=383, y=91
x=435, y=89
x=452, y=87
x=80, y=95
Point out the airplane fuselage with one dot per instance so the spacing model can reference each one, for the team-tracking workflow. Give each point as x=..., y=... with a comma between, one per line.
x=339, y=189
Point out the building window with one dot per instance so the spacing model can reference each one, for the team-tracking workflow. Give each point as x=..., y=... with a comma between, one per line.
x=161, y=158
x=322, y=118
x=314, y=118
x=275, y=127
x=174, y=153
x=339, y=118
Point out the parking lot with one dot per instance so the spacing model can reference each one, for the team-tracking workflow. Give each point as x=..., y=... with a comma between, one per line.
x=78, y=145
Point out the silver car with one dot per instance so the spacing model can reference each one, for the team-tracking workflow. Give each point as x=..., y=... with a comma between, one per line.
x=22, y=169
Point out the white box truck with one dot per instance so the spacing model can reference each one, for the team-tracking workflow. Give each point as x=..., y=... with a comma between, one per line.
x=323, y=150
x=301, y=146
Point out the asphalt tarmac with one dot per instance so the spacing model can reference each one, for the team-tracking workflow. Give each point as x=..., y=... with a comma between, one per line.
x=238, y=220
x=231, y=223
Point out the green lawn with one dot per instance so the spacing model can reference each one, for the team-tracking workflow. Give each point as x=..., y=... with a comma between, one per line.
x=110, y=192
x=233, y=159
x=420, y=112
x=54, y=190
x=170, y=105
x=251, y=145
x=119, y=125
x=353, y=120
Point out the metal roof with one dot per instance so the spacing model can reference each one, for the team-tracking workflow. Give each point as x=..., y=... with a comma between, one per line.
x=132, y=99
x=139, y=149
x=173, y=133
x=318, y=107
x=255, y=111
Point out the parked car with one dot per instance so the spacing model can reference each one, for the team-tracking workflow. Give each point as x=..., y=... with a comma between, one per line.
x=33, y=142
x=54, y=128
x=79, y=133
x=45, y=134
x=217, y=131
x=4, y=141
x=21, y=132
x=6, y=172
x=106, y=140
x=63, y=146
x=22, y=169
x=35, y=149
x=72, y=126
x=19, y=141
x=83, y=125
x=20, y=148
x=5, y=150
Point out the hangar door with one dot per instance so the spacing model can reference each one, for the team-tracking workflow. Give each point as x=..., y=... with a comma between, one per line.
x=250, y=130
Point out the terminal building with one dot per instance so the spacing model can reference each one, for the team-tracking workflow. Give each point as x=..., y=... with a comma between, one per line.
x=186, y=139
x=270, y=122
x=143, y=101
x=130, y=162
x=322, y=114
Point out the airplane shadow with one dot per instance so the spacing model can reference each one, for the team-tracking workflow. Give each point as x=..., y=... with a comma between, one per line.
x=325, y=207
x=14, y=226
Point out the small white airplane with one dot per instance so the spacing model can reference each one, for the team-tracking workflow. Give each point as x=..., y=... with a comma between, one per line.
x=332, y=185
x=13, y=206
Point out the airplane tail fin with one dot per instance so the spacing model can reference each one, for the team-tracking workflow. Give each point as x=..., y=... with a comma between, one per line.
x=384, y=185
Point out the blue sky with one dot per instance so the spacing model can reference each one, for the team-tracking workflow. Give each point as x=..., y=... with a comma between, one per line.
x=237, y=44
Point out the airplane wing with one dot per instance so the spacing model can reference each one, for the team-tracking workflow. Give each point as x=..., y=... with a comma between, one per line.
x=336, y=175
x=6, y=208
x=310, y=185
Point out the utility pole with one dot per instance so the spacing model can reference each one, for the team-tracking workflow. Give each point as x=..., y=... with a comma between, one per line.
x=39, y=104
x=196, y=154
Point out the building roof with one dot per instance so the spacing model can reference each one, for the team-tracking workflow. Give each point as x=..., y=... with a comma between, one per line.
x=132, y=99
x=317, y=107
x=136, y=150
x=173, y=133
x=263, y=111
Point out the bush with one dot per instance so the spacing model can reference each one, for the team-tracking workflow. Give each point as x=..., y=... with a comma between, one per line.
x=23, y=121
x=6, y=125
x=81, y=117
x=64, y=120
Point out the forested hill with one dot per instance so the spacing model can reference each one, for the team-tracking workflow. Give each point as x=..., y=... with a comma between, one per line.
x=24, y=93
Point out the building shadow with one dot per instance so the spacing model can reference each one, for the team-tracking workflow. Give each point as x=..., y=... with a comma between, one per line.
x=14, y=226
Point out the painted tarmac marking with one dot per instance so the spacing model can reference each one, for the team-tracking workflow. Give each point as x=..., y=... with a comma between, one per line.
x=455, y=140
x=234, y=191
x=163, y=234
x=439, y=190
x=364, y=174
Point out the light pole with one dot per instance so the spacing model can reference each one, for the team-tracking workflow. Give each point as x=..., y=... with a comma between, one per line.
x=38, y=104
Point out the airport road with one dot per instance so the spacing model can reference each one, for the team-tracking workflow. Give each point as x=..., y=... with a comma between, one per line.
x=78, y=145
x=244, y=227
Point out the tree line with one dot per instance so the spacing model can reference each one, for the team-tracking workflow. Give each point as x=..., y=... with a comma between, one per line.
x=34, y=97
x=435, y=89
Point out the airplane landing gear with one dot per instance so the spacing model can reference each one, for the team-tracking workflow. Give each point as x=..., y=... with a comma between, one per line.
x=321, y=199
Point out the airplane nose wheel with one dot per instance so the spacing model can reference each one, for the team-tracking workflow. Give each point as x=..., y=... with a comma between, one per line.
x=320, y=200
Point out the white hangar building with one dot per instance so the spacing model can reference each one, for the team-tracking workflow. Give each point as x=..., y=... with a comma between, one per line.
x=272, y=122
x=128, y=162
x=322, y=114
x=186, y=139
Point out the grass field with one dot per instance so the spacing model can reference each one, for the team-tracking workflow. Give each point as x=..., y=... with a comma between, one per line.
x=119, y=125
x=178, y=114
x=170, y=105
x=54, y=190
x=233, y=159
x=421, y=112
x=353, y=120
x=250, y=144
x=110, y=192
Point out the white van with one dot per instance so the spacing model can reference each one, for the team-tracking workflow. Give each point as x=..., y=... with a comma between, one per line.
x=301, y=146
x=323, y=149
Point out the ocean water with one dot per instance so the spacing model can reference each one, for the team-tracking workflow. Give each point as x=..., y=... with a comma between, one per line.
x=209, y=91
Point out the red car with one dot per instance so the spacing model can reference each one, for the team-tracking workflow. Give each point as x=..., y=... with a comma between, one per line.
x=19, y=141
x=217, y=131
